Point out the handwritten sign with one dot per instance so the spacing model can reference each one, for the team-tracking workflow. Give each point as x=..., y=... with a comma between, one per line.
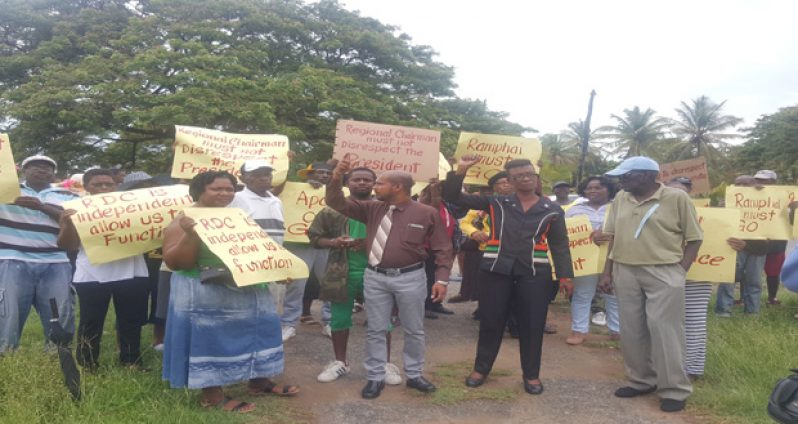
x=389, y=148
x=301, y=203
x=199, y=150
x=250, y=254
x=443, y=168
x=716, y=260
x=9, y=183
x=695, y=169
x=118, y=225
x=765, y=212
x=701, y=203
x=585, y=254
x=495, y=151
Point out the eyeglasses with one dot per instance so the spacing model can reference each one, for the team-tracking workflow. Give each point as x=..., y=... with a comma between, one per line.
x=523, y=176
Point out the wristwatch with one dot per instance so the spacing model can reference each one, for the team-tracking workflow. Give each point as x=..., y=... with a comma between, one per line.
x=443, y=283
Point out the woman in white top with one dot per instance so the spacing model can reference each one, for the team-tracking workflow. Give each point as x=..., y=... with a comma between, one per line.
x=599, y=192
x=123, y=280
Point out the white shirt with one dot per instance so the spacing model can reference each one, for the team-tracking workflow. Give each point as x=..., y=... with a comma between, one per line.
x=267, y=211
x=596, y=216
x=118, y=270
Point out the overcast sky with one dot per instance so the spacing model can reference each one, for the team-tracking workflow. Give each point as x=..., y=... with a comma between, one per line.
x=538, y=60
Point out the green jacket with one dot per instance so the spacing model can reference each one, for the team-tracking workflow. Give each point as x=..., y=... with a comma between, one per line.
x=330, y=224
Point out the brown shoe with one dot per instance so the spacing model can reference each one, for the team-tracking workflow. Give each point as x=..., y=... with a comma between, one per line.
x=550, y=329
x=575, y=338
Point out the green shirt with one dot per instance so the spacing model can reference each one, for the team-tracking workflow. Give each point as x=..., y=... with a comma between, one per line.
x=654, y=231
x=357, y=259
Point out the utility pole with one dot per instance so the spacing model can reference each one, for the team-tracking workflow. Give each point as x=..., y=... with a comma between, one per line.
x=585, y=139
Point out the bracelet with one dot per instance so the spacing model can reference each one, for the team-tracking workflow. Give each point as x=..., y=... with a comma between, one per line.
x=443, y=283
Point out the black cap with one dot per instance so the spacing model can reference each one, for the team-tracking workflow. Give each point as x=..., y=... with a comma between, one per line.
x=560, y=183
x=494, y=179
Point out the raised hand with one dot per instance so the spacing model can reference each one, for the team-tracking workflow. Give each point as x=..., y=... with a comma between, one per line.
x=466, y=162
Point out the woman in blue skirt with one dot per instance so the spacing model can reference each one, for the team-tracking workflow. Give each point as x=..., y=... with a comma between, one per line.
x=217, y=334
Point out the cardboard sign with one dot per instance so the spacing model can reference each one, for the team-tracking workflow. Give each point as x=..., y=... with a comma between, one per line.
x=495, y=151
x=118, y=225
x=585, y=254
x=389, y=148
x=250, y=254
x=199, y=150
x=694, y=169
x=301, y=203
x=716, y=260
x=443, y=168
x=701, y=203
x=9, y=182
x=765, y=212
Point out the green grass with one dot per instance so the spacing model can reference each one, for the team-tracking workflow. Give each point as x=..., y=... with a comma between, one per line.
x=32, y=390
x=449, y=379
x=746, y=356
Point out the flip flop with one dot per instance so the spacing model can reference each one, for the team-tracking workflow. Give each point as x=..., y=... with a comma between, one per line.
x=309, y=320
x=228, y=404
x=273, y=389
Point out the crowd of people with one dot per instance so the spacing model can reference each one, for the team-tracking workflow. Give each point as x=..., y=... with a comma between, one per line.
x=383, y=249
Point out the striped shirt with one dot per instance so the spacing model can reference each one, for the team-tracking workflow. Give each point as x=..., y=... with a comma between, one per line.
x=267, y=211
x=30, y=235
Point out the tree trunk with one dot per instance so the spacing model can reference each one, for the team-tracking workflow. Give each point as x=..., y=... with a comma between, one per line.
x=585, y=139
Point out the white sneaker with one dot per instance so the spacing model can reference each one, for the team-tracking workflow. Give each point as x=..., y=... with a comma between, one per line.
x=158, y=347
x=326, y=330
x=332, y=371
x=599, y=318
x=288, y=332
x=392, y=375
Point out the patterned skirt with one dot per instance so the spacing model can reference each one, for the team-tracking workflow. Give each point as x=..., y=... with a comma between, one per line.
x=218, y=335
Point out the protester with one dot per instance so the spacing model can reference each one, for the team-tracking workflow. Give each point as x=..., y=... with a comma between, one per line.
x=562, y=190
x=656, y=237
x=774, y=258
x=515, y=272
x=598, y=191
x=399, y=231
x=749, y=268
x=298, y=296
x=343, y=278
x=431, y=195
x=33, y=269
x=696, y=304
x=217, y=334
x=123, y=280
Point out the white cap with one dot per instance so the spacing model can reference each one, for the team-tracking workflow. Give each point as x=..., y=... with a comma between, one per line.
x=39, y=158
x=765, y=174
x=635, y=163
x=254, y=164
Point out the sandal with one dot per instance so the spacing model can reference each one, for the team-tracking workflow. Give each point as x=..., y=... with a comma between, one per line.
x=228, y=404
x=308, y=319
x=272, y=388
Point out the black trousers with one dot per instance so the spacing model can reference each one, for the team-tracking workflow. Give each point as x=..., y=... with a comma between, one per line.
x=525, y=296
x=470, y=273
x=130, y=303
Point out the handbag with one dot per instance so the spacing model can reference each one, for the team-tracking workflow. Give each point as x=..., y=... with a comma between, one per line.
x=216, y=275
x=783, y=402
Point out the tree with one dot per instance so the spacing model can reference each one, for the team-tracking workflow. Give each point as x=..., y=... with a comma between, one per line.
x=772, y=144
x=700, y=127
x=100, y=82
x=634, y=132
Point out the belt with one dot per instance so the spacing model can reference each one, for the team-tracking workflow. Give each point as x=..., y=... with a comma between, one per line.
x=393, y=272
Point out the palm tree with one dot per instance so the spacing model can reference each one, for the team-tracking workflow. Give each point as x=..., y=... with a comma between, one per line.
x=559, y=150
x=701, y=126
x=635, y=132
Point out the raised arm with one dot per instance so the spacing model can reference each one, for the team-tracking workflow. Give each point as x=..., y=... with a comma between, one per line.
x=334, y=194
x=453, y=187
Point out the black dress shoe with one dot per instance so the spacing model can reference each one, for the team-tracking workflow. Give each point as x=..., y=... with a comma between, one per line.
x=474, y=382
x=533, y=389
x=630, y=392
x=440, y=309
x=671, y=405
x=428, y=314
x=421, y=384
x=373, y=389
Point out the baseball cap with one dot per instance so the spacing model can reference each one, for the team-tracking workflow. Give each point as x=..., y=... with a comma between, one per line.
x=254, y=164
x=39, y=158
x=683, y=180
x=560, y=183
x=635, y=163
x=765, y=174
x=494, y=179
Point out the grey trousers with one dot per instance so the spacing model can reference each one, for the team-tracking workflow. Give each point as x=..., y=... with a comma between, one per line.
x=381, y=292
x=651, y=309
x=316, y=259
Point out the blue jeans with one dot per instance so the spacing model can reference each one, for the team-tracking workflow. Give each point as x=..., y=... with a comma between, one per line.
x=25, y=284
x=749, y=274
x=316, y=260
x=584, y=290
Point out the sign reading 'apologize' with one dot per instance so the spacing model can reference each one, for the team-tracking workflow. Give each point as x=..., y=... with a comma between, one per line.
x=383, y=148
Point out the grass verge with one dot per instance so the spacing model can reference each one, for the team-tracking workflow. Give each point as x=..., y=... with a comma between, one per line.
x=451, y=389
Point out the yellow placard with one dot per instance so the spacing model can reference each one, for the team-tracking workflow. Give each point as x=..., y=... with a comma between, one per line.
x=585, y=254
x=250, y=254
x=118, y=225
x=9, y=182
x=701, y=203
x=199, y=149
x=765, y=212
x=381, y=148
x=694, y=169
x=495, y=151
x=301, y=203
x=716, y=260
